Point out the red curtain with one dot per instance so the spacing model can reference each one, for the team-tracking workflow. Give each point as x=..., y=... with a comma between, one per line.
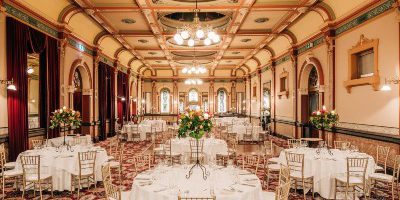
x=53, y=80
x=127, y=97
x=17, y=38
x=112, y=100
x=102, y=100
x=120, y=94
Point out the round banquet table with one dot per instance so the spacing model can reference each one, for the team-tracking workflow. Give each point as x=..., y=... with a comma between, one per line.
x=166, y=183
x=60, y=140
x=160, y=125
x=325, y=167
x=61, y=163
x=142, y=128
x=240, y=130
x=211, y=146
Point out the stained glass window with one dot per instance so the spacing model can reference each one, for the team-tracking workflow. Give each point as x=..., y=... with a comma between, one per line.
x=77, y=80
x=221, y=101
x=181, y=107
x=313, y=79
x=193, y=96
x=266, y=103
x=164, y=101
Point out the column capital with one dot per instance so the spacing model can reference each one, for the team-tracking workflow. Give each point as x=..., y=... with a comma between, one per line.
x=70, y=88
x=87, y=92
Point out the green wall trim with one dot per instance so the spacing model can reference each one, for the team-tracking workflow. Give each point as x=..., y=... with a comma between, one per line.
x=365, y=17
x=310, y=45
x=282, y=59
x=80, y=46
x=30, y=20
x=106, y=61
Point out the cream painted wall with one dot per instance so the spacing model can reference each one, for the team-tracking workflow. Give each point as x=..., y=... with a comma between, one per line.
x=3, y=74
x=363, y=105
x=284, y=105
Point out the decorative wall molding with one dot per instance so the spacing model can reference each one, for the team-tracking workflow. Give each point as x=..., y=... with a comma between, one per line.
x=80, y=46
x=370, y=128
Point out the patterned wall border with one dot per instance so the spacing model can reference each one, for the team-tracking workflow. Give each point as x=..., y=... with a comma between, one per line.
x=30, y=20
x=80, y=46
x=365, y=17
x=283, y=59
x=370, y=128
x=311, y=45
x=106, y=61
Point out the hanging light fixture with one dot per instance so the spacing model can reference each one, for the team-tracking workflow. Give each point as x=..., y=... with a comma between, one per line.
x=195, y=68
x=195, y=33
x=193, y=81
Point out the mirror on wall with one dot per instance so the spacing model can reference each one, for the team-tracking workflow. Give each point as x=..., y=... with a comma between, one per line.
x=204, y=101
x=182, y=102
x=33, y=91
x=241, y=102
x=267, y=96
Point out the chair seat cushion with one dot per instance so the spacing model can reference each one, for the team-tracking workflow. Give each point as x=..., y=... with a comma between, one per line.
x=352, y=180
x=379, y=168
x=298, y=175
x=268, y=195
x=381, y=176
x=274, y=160
x=274, y=167
x=12, y=173
x=9, y=165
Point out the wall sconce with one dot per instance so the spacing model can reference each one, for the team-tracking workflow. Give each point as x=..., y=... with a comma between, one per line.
x=10, y=84
x=143, y=101
x=386, y=86
x=30, y=70
x=122, y=98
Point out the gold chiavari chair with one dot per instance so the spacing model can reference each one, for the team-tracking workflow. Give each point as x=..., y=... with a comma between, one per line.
x=170, y=156
x=221, y=160
x=79, y=140
x=382, y=155
x=113, y=148
x=8, y=174
x=87, y=164
x=270, y=170
x=117, y=163
x=389, y=180
x=106, y=172
x=153, y=132
x=293, y=143
x=250, y=163
x=232, y=147
x=142, y=162
x=196, y=150
x=37, y=143
x=34, y=176
x=355, y=176
x=7, y=165
x=114, y=192
x=342, y=145
x=197, y=198
x=282, y=191
x=135, y=132
x=295, y=162
x=248, y=136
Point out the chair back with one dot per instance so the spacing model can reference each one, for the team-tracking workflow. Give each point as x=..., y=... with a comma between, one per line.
x=282, y=191
x=113, y=146
x=37, y=143
x=249, y=130
x=295, y=162
x=268, y=148
x=356, y=167
x=31, y=167
x=79, y=140
x=142, y=161
x=106, y=172
x=87, y=162
x=284, y=174
x=342, y=145
x=113, y=192
x=250, y=162
x=396, y=168
x=382, y=155
x=293, y=143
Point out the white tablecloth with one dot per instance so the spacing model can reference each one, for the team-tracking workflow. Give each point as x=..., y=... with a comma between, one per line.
x=211, y=146
x=157, y=123
x=142, y=128
x=224, y=121
x=325, y=168
x=60, y=140
x=240, y=130
x=62, y=163
x=167, y=183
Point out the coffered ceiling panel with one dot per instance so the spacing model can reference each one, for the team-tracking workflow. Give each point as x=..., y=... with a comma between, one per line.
x=246, y=41
x=262, y=20
x=140, y=42
x=113, y=3
x=127, y=21
x=151, y=53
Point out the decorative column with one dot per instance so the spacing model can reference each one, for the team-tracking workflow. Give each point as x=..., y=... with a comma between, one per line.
x=3, y=69
x=96, y=61
x=70, y=95
x=260, y=89
x=213, y=101
x=250, y=95
x=175, y=98
x=245, y=96
x=153, y=97
x=143, y=99
x=330, y=86
x=233, y=96
x=116, y=62
x=293, y=58
x=273, y=97
x=62, y=36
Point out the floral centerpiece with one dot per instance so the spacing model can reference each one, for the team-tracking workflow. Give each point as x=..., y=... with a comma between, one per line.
x=194, y=123
x=65, y=117
x=323, y=119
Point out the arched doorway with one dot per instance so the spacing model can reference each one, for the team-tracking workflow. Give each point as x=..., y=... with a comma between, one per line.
x=312, y=96
x=80, y=94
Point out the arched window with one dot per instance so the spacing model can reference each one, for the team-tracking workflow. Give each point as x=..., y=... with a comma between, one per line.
x=313, y=94
x=221, y=101
x=266, y=97
x=77, y=80
x=193, y=96
x=165, y=101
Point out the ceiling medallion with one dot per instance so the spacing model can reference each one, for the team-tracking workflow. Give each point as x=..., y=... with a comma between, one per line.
x=193, y=81
x=261, y=20
x=152, y=53
x=236, y=52
x=128, y=21
x=194, y=33
x=143, y=41
x=245, y=40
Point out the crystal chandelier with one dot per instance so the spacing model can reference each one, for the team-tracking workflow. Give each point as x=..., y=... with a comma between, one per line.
x=193, y=81
x=194, y=33
x=194, y=69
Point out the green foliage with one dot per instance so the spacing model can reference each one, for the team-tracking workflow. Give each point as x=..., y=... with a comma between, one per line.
x=65, y=117
x=194, y=123
x=323, y=119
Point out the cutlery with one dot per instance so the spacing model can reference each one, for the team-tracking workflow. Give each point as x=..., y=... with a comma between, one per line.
x=160, y=190
x=246, y=184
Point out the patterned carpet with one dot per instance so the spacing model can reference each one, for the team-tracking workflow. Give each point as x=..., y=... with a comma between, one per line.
x=132, y=149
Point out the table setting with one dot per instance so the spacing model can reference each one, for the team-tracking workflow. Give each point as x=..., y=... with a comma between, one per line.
x=211, y=146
